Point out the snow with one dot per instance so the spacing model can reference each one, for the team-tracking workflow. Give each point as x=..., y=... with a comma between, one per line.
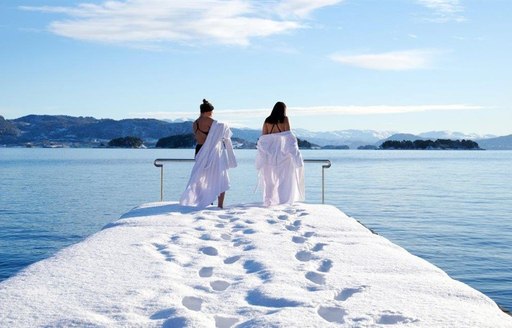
x=306, y=265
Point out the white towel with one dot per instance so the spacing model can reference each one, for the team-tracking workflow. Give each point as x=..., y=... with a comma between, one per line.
x=280, y=169
x=209, y=176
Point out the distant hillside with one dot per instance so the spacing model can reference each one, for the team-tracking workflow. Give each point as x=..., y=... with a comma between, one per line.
x=499, y=143
x=88, y=131
x=8, y=131
x=62, y=130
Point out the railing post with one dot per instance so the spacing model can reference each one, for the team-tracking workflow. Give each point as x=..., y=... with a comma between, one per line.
x=323, y=184
x=159, y=162
x=162, y=183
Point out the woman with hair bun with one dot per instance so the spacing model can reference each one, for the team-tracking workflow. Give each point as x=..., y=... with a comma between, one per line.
x=213, y=157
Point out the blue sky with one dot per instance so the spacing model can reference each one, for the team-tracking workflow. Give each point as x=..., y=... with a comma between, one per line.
x=400, y=65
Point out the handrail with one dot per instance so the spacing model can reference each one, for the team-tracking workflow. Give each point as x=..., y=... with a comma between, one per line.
x=326, y=165
x=159, y=162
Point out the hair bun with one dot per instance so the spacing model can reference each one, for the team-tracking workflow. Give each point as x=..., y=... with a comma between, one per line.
x=206, y=106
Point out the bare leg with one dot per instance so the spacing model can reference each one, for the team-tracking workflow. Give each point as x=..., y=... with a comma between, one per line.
x=220, y=200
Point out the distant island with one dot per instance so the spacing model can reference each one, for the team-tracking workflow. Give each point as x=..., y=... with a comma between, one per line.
x=126, y=142
x=439, y=144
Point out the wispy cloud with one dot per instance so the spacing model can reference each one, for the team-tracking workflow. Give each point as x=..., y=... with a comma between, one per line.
x=395, y=60
x=445, y=10
x=302, y=8
x=233, y=22
x=247, y=115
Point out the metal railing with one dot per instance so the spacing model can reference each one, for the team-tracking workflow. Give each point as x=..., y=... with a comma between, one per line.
x=159, y=162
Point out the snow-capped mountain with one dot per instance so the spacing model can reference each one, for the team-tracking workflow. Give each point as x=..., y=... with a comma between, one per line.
x=351, y=138
x=453, y=135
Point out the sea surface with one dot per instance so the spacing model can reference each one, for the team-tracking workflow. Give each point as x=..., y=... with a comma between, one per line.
x=452, y=208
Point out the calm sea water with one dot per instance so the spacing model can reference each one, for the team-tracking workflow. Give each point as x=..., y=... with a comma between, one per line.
x=452, y=208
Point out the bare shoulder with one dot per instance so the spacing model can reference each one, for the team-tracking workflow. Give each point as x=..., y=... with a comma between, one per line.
x=287, y=123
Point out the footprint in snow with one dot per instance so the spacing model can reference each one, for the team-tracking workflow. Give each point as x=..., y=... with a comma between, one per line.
x=315, y=277
x=220, y=225
x=238, y=227
x=206, y=236
x=224, y=322
x=240, y=241
x=162, y=249
x=346, y=293
x=283, y=217
x=225, y=236
x=206, y=272
x=304, y=256
x=394, y=318
x=298, y=239
x=252, y=266
x=162, y=314
x=318, y=247
x=232, y=259
x=249, y=248
x=212, y=251
x=325, y=265
x=332, y=314
x=219, y=285
x=192, y=303
x=294, y=226
x=256, y=297
x=309, y=234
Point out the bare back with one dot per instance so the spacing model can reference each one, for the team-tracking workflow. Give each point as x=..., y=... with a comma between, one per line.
x=269, y=128
x=201, y=127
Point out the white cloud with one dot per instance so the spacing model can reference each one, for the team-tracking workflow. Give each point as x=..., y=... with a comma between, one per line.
x=206, y=21
x=445, y=6
x=395, y=60
x=445, y=10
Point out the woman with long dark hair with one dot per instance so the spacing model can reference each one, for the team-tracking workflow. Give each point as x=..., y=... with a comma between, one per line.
x=277, y=121
x=279, y=161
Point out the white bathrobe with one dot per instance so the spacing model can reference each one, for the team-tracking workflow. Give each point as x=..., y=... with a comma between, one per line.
x=280, y=168
x=209, y=175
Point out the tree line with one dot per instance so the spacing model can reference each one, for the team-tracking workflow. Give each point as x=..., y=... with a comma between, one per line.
x=429, y=144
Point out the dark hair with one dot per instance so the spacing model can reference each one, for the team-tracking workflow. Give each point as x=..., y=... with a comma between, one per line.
x=206, y=106
x=278, y=113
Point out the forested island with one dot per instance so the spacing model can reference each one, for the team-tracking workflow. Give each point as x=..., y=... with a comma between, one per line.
x=126, y=142
x=439, y=144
